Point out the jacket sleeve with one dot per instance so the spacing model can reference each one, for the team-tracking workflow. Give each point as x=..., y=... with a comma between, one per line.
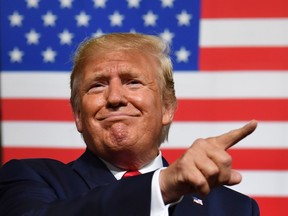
x=23, y=191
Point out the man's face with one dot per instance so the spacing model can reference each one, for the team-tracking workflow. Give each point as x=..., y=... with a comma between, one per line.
x=121, y=113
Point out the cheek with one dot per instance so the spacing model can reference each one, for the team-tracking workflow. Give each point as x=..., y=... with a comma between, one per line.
x=154, y=106
x=147, y=103
x=90, y=106
x=91, y=103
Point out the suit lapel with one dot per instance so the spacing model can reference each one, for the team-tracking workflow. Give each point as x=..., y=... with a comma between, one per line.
x=93, y=170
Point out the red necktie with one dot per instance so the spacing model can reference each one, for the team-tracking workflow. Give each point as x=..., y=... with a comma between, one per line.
x=131, y=173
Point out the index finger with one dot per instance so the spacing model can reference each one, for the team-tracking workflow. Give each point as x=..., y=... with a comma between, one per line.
x=232, y=137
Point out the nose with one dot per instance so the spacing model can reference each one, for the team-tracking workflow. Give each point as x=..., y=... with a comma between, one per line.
x=116, y=95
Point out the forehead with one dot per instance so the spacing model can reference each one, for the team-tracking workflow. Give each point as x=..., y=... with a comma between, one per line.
x=122, y=61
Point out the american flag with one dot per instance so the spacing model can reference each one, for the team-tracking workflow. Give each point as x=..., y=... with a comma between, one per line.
x=230, y=59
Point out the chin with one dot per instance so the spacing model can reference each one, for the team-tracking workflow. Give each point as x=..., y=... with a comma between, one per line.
x=127, y=159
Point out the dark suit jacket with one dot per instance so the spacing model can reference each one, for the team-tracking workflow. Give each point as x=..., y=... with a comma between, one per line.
x=86, y=187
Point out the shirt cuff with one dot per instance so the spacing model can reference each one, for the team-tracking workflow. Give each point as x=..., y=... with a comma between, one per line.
x=158, y=207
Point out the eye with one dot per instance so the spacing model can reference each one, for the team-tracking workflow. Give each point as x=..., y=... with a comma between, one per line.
x=97, y=87
x=134, y=83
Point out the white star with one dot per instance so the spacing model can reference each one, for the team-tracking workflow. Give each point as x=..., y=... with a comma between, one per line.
x=133, y=31
x=98, y=33
x=16, y=19
x=182, y=55
x=133, y=3
x=167, y=3
x=100, y=3
x=16, y=55
x=32, y=37
x=82, y=19
x=116, y=19
x=49, y=19
x=167, y=36
x=49, y=55
x=184, y=18
x=66, y=3
x=65, y=37
x=32, y=3
x=150, y=19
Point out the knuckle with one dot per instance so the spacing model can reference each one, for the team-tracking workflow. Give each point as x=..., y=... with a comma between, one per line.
x=227, y=160
x=200, y=141
x=199, y=182
x=211, y=140
x=212, y=170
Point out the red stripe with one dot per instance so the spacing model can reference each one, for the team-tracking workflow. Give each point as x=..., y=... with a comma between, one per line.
x=244, y=58
x=243, y=159
x=272, y=205
x=252, y=159
x=62, y=154
x=257, y=159
x=232, y=110
x=244, y=8
x=188, y=110
x=37, y=109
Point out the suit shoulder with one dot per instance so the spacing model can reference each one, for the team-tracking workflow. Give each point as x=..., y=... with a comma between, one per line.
x=235, y=200
x=229, y=193
x=33, y=163
x=50, y=174
x=31, y=168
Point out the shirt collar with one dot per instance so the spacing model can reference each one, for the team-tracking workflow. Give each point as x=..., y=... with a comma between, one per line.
x=152, y=166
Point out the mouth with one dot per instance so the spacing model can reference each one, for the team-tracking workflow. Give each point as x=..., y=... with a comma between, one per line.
x=117, y=116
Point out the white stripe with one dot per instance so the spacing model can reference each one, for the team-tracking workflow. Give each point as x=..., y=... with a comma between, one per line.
x=263, y=183
x=182, y=135
x=243, y=32
x=41, y=134
x=268, y=84
x=267, y=134
x=35, y=85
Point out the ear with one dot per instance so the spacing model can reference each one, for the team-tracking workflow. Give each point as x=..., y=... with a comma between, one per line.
x=168, y=114
x=78, y=120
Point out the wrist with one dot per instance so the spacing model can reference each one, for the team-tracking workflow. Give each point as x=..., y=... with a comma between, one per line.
x=169, y=193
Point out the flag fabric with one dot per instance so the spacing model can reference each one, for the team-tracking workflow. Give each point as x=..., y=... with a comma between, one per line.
x=230, y=61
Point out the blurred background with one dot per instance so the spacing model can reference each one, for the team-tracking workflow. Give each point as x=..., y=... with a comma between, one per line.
x=230, y=63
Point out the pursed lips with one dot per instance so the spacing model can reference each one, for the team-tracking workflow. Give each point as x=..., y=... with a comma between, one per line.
x=117, y=116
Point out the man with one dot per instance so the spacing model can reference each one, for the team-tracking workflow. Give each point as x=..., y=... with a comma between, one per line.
x=123, y=99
